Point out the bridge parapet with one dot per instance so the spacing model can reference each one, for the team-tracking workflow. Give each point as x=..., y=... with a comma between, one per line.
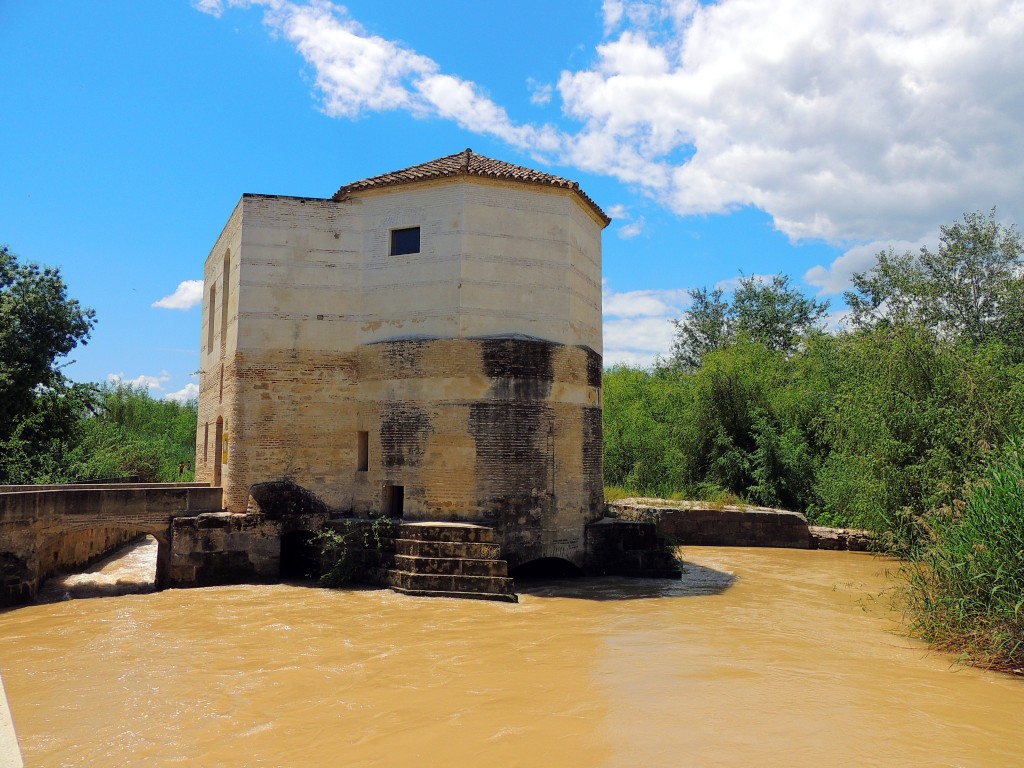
x=47, y=528
x=95, y=486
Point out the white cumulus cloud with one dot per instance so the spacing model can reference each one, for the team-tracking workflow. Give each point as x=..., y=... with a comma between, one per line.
x=188, y=392
x=143, y=380
x=540, y=93
x=632, y=229
x=837, y=277
x=357, y=72
x=846, y=122
x=637, y=324
x=843, y=121
x=188, y=294
x=213, y=7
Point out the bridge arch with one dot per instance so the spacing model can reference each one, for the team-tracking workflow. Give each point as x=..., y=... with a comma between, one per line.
x=43, y=528
x=76, y=547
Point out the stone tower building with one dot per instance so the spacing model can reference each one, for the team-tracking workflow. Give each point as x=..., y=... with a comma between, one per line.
x=425, y=344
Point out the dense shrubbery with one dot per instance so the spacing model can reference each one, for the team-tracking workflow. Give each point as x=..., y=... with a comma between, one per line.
x=131, y=434
x=106, y=432
x=888, y=426
x=887, y=420
x=855, y=429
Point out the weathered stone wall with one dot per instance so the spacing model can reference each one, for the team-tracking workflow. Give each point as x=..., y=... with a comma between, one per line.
x=224, y=548
x=218, y=345
x=470, y=428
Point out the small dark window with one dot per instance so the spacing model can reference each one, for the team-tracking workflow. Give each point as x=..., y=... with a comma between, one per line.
x=405, y=241
x=363, y=452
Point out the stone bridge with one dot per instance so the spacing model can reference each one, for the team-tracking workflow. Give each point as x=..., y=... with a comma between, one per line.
x=47, y=528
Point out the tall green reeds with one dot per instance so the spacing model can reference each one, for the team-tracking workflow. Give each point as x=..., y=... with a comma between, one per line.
x=967, y=591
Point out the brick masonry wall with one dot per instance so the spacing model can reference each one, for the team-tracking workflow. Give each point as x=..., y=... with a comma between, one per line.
x=507, y=430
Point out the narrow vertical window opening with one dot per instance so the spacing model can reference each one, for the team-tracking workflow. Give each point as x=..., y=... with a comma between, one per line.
x=225, y=282
x=206, y=441
x=212, y=317
x=363, y=451
x=218, y=448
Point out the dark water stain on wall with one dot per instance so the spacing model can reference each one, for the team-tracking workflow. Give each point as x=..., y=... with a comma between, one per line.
x=518, y=359
x=595, y=367
x=513, y=456
x=404, y=430
x=403, y=359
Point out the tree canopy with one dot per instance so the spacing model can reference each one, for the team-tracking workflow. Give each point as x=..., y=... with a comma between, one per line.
x=971, y=287
x=39, y=324
x=772, y=313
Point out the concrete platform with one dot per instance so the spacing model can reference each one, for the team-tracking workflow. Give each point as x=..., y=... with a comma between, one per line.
x=10, y=753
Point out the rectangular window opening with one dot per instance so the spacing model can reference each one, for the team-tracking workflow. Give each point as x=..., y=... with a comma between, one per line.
x=363, y=451
x=406, y=240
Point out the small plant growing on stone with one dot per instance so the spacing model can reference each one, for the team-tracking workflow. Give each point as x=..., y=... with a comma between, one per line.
x=339, y=560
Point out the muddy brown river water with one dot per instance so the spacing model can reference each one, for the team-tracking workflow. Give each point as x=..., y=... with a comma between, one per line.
x=757, y=658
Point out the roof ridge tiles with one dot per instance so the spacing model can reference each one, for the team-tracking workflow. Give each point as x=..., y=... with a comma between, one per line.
x=468, y=163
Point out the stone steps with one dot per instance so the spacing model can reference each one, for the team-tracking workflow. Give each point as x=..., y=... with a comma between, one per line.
x=459, y=566
x=449, y=560
x=460, y=549
x=447, y=532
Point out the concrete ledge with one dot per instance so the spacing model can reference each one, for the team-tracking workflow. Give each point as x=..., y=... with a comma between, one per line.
x=10, y=754
x=695, y=524
x=692, y=523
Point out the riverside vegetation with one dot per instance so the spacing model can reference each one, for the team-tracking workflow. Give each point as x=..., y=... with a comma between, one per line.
x=53, y=430
x=909, y=423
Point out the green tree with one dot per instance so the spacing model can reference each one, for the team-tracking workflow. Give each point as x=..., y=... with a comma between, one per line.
x=40, y=410
x=704, y=328
x=38, y=325
x=774, y=314
x=971, y=287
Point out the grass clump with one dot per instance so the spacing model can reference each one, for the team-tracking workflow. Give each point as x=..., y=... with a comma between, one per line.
x=967, y=589
x=616, y=493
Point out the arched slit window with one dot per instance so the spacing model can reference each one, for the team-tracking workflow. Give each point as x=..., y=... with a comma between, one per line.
x=224, y=301
x=212, y=317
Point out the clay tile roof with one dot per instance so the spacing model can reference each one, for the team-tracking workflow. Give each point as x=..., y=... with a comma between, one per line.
x=468, y=163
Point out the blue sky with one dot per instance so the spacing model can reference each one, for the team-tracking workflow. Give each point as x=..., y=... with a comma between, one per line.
x=736, y=136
